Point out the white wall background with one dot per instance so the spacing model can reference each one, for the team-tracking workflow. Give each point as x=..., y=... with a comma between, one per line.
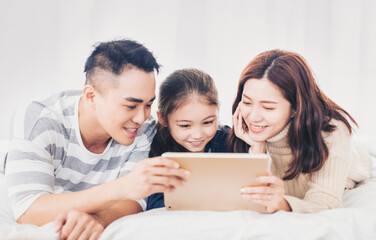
x=44, y=44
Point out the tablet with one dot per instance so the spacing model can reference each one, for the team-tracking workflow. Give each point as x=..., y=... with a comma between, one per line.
x=215, y=181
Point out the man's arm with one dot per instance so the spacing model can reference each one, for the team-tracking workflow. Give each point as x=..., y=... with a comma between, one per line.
x=107, y=200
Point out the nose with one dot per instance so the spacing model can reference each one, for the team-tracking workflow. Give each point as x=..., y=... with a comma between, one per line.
x=197, y=133
x=255, y=114
x=140, y=116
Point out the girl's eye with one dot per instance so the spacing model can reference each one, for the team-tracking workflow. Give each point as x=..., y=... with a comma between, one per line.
x=269, y=108
x=208, y=122
x=184, y=126
x=246, y=103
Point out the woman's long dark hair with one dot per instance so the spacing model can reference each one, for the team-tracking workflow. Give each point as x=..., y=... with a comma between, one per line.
x=178, y=88
x=313, y=109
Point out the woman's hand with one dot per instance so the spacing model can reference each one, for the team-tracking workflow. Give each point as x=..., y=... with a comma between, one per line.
x=269, y=192
x=243, y=134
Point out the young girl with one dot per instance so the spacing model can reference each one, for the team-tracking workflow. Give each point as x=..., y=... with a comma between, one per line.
x=279, y=109
x=188, y=119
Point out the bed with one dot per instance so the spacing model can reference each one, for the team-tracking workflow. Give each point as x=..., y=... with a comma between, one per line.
x=356, y=220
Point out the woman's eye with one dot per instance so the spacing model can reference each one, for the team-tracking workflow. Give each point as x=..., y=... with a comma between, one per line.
x=208, y=122
x=184, y=126
x=269, y=108
x=246, y=102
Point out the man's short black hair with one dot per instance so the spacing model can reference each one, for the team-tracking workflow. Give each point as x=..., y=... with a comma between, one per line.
x=114, y=56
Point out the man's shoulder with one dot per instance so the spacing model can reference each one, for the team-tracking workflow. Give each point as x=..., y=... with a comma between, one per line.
x=47, y=113
x=58, y=103
x=148, y=127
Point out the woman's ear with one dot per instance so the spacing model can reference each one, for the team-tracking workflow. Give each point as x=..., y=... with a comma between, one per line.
x=293, y=113
x=161, y=120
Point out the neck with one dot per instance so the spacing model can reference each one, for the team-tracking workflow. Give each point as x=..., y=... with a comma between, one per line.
x=94, y=138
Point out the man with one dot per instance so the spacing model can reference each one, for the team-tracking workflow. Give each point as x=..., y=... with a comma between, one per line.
x=74, y=156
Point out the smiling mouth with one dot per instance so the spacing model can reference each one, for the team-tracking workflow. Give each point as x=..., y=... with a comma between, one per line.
x=131, y=131
x=196, y=143
x=257, y=128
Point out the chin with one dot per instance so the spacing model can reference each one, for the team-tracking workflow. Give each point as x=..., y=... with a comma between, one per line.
x=258, y=138
x=125, y=142
x=196, y=150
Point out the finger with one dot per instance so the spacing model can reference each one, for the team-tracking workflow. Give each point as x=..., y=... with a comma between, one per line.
x=78, y=229
x=170, y=172
x=68, y=226
x=271, y=180
x=266, y=198
x=163, y=162
x=257, y=190
x=235, y=115
x=237, y=121
x=166, y=181
x=241, y=126
x=60, y=221
x=85, y=234
x=157, y=188
x=95, y=235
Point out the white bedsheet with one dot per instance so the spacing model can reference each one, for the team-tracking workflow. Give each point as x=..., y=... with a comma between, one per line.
x=356, y=220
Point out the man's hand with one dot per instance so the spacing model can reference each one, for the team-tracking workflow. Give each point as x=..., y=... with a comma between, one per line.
x=150, y=176
x=77, y=225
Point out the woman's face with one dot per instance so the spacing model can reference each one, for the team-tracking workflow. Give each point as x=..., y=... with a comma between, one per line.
x=194, y=124
x=264, y=109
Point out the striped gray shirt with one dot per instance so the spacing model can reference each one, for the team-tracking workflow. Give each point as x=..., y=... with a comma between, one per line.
x=47, y=155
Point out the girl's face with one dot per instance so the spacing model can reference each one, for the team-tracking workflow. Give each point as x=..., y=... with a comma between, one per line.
x=194, y=124
x=264, y=109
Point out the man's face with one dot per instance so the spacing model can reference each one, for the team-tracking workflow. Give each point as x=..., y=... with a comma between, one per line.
x=121, y=110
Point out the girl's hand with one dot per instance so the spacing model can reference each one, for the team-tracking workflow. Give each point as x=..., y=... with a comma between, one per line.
x=269, y=192
x=242, y=133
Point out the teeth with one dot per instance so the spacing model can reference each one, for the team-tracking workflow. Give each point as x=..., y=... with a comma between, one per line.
x=258, y=127
x=131, y=129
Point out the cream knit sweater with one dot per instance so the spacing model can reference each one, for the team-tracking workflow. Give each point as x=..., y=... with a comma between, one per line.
x=346, y=165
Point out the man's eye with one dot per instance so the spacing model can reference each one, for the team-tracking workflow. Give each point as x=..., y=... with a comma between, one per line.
x=148, y=105
x=130, y=107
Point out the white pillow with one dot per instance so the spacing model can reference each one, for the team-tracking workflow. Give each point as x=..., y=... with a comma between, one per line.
x=368, y=141
x=3, y=153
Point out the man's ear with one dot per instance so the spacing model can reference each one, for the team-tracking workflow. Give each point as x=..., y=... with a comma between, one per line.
x=161, y=119
x=89, y=93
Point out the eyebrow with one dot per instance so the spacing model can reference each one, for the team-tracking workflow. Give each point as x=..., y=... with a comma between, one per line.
x=274, y=102
x=202, y=119
x=137, y=100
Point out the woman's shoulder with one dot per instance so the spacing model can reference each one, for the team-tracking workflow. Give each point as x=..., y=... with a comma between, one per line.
x=341, y=134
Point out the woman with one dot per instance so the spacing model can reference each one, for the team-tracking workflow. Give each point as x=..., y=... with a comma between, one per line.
x=279, y=109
